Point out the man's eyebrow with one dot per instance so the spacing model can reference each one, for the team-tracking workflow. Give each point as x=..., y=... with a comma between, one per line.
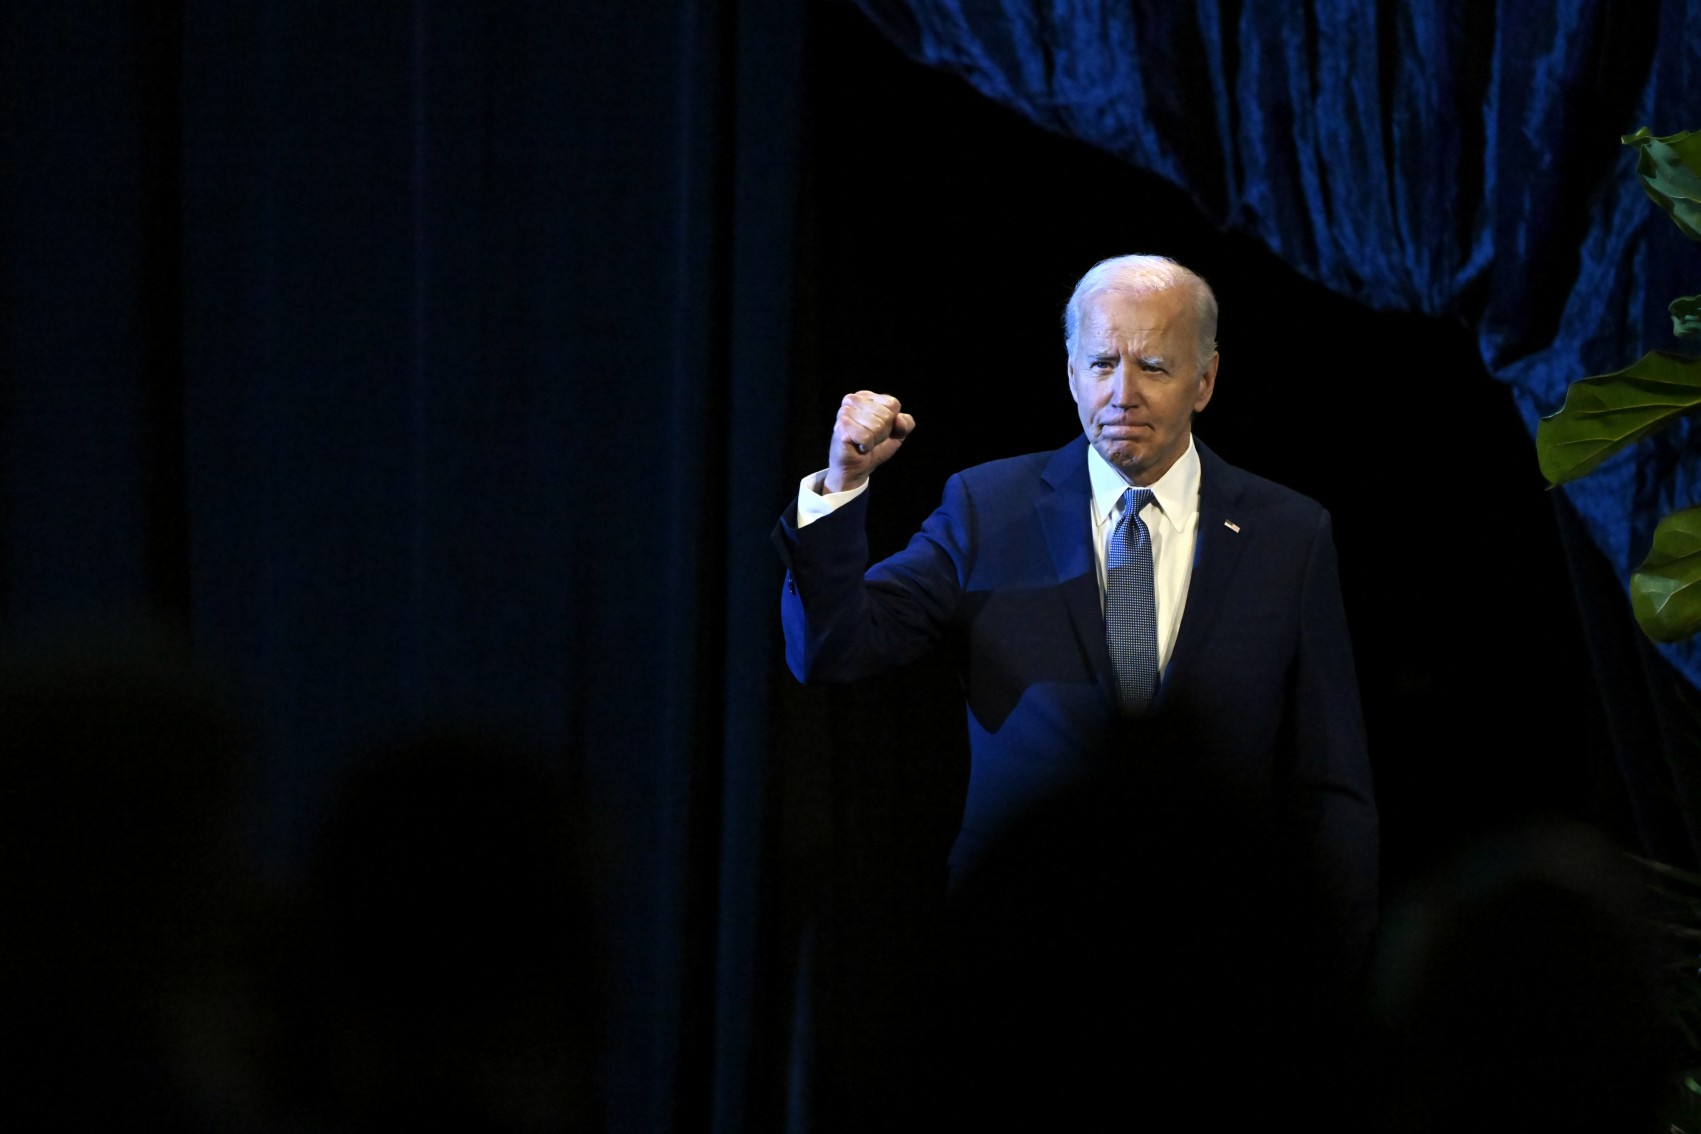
x=1154, y=360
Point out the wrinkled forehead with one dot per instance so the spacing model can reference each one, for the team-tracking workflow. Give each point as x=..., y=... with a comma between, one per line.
x=1111, y=315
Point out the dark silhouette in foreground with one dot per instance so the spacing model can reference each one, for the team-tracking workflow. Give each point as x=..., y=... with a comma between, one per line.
x=126, y=893
x=1141, y=949
x=1517, y=991
x=446, y=976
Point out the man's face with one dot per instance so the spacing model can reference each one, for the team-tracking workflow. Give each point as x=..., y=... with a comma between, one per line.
x=1137, y=380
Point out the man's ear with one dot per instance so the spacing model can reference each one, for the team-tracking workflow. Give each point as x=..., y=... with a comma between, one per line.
x=1207, y=383
x=1069, y=368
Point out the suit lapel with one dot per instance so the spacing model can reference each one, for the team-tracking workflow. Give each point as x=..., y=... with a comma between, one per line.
x=1216, y=555
x=1065, y=517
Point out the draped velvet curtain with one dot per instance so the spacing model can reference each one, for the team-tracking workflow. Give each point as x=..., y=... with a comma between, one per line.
x=1451, y=158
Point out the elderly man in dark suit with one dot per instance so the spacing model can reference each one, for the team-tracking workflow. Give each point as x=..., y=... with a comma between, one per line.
x=1129, y=610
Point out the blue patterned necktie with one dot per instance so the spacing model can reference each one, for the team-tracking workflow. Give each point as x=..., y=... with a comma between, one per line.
x=1131, y=606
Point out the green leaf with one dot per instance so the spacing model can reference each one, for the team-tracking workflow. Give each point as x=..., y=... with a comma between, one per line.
x=1665, y=592
x=1670, y=168
x=1603, y=414
x=1686, y=316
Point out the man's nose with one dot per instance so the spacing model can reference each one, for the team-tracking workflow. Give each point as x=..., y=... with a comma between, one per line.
x=1125, y=387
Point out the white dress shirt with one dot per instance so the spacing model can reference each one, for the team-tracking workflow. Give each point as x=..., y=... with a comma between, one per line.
x=1172, y=517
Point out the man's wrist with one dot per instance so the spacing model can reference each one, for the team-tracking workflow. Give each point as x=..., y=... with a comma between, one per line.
x=833, y=482
x=815, y=501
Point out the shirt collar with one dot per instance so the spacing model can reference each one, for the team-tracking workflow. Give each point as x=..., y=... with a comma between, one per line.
x=1176, y=492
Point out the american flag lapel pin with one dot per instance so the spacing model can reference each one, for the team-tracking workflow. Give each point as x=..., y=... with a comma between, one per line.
x=1231, y=525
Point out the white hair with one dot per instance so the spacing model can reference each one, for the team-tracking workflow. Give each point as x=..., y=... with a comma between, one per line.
x=1139, y=276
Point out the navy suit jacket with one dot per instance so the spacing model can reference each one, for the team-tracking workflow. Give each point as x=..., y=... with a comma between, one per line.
x=1259, y=702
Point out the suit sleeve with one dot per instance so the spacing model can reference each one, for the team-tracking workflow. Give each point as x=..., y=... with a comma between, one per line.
x=1332, y=803
x=844, y=620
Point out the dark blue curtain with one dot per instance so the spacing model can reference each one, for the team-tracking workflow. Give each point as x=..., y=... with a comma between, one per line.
x=420, y=361
x=1450, y=158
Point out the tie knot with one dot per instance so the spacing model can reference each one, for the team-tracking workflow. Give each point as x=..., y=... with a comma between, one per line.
x=1135, y=499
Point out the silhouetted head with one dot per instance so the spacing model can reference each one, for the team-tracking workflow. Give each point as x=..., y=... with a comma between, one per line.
x=454, y=940
x=1517, y=986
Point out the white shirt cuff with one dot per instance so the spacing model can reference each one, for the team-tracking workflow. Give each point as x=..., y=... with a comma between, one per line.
x=812, y=504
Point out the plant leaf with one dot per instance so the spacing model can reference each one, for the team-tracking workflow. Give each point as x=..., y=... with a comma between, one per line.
x=1686, y=316
x=1666, y=869
x=1665, y=592
x=1670, y=168
x=1604, y=413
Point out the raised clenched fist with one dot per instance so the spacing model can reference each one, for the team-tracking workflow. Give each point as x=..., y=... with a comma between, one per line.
x=869, y=429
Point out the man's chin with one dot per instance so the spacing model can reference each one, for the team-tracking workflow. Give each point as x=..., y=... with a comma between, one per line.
x=1129, y=460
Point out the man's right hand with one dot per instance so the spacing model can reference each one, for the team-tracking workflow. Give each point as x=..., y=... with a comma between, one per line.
x=869, y=429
